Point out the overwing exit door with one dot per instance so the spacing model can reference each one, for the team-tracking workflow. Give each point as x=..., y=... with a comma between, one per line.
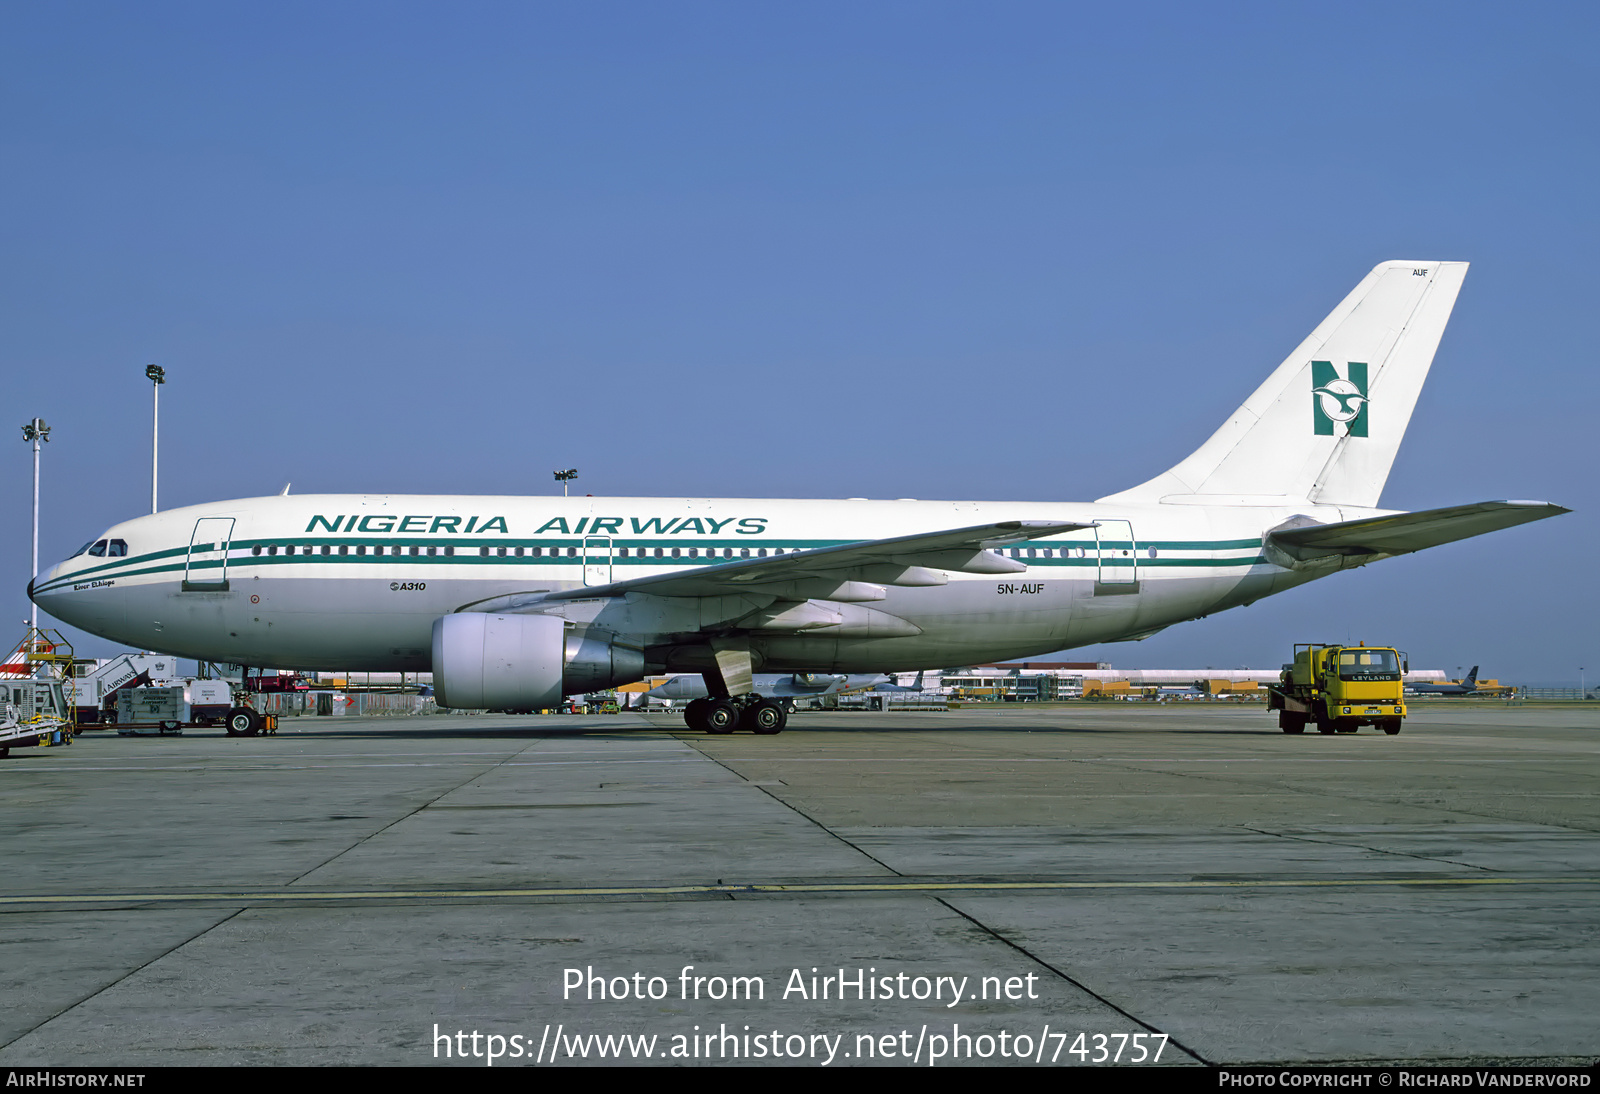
x=597, y=560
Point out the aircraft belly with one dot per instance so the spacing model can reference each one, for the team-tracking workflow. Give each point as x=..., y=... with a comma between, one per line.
x=962, y=623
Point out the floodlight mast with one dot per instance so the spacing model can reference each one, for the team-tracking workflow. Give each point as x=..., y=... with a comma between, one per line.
x=564, y=477
x=37, y=433
x=157, y=376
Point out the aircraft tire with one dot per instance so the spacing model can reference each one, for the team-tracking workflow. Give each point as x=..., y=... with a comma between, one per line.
x=243, y=722
x=764, y=718
x=694, y=714
x=720, y=716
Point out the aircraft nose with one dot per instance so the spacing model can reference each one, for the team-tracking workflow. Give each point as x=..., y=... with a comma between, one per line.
x=53, y=597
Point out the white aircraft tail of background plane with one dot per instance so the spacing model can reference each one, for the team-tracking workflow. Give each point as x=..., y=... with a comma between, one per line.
x=512, y=602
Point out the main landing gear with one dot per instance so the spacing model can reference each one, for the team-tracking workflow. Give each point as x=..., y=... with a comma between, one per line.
x=752, y=712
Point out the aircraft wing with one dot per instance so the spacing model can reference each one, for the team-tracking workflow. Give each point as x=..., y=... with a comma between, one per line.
x=1402, y=533
x=852, y=571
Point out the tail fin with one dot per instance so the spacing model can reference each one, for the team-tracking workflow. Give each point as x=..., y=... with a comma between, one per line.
x=1472, y=677
x=1325, y=426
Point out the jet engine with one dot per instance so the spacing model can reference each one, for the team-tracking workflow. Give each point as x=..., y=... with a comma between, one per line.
x=522, y=662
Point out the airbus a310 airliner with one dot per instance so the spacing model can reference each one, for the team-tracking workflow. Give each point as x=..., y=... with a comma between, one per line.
x=514, y=601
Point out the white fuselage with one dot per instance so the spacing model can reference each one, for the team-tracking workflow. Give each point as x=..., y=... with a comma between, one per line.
x=357, y=581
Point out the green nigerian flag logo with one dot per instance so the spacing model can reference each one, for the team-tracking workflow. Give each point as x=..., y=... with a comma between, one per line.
x=1336, y=398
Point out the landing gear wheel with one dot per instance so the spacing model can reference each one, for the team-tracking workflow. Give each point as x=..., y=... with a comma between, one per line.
x=721, y=716
x=694, y=715
x=1391, y=726
x=243, y=722
x=763, y=717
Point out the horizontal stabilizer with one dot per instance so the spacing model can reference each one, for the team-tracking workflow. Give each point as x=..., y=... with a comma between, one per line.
x=1402, y=533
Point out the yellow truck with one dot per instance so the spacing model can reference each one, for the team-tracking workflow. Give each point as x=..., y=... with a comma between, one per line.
x=1340, y=688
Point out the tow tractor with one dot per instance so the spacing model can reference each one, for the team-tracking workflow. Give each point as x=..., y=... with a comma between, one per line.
x=1340, y=688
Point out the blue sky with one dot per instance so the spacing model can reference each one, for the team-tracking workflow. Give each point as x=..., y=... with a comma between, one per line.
x=1020, y=251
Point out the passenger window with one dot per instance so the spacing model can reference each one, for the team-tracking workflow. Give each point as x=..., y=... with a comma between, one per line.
x=413, y=552
x=343, y=550
x=483, y=552
x=658, y=552
x=272, y=549
x=450, y=551
x=256, y=550
x=433, y=551
x=519, y=552
x=326, y=548
x=361, y=549
x=99, y=549
x=572, y=552
x=622, y=552
x=538, y=551
x=694, y=552
x=501, y=551
x=675, y=552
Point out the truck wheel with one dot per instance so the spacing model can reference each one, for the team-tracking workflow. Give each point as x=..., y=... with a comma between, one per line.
x=1290, y=722
x=1391, y=726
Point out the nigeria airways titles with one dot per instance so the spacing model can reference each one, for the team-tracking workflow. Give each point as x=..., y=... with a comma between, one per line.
x=594, y=526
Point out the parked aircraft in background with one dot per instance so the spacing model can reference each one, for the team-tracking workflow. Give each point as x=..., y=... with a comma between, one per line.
x=512, y=602
x=787, y=685
x=889, y=686
x=1454, y=687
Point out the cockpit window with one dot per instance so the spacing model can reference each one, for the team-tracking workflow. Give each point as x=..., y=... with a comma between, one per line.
x=117, y=549
x=99, y=549
x=82, y=549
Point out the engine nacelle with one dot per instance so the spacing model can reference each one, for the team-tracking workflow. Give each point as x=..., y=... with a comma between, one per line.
x=521, y=662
